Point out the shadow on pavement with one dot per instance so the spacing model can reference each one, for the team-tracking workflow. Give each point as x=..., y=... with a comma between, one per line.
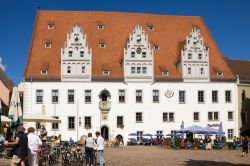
x=211, y=163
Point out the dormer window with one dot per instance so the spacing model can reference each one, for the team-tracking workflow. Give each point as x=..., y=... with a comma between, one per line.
x=219, y=74
x=156, y=47
x=70, y=53
x=100, y=26
x=102, y=45
x=44, y=72
x=48, y=45
x=189, y=56
x=132, y=54
x=50, y=26
x=106, y=72
x=144, y=54
x=151, y=27
x=81, y=53
x=164, y=73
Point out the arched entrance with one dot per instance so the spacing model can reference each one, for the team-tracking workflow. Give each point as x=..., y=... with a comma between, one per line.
x=120, y=138
x=105, y=132
x=104, y=95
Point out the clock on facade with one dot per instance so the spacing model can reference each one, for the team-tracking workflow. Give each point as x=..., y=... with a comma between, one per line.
x=138, y=50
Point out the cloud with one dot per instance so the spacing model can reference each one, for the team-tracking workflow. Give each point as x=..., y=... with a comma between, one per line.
x=1, y=64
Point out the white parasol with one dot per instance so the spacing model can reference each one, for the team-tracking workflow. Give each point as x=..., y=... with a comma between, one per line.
x=15, y=110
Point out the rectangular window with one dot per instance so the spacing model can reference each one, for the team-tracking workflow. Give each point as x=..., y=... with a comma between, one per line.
x=39, y=96
x=105, y=72
x=215, y=96
x=71, y=122
x=189, y=56
x=138, y=96
x=228, y=96
x=230, y=133
x=70, y=53
x=189, y=70
x=83, y=69
x=119, y=122
x=44, y=72
x=182, y=97
x=155, y=96
x=139, y=133
x=159, y=132
x=202, y=71
x=230, y=115
x=200, y=56
x=132, y=70
x=168, y=117
x=196, y=116
x=87, y=122
x=71, y=96
x=87, y=96
x=81, y=53
x=48, y=45
x=55, y=126
x=121, y=96
x=138, y=117
x=200, y=96
x=144, y=70
x=55, y=96
x=138, y=70
x=213, y=116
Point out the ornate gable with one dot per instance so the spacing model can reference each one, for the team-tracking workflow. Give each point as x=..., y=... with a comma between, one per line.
x=195, y=58
x=76, y=57
x=138, y=57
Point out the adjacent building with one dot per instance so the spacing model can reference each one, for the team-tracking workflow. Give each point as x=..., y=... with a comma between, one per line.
x=124, y=73
x=242, y=70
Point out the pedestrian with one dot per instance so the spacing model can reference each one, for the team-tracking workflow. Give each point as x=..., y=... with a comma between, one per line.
x=43, y=134
x=20, y=151
x=245, y=146
x=89, y=149
x=33, y=142
x=100, y=148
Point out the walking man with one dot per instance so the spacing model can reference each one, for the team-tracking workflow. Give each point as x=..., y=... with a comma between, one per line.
x=245, y=146
x=100, y=148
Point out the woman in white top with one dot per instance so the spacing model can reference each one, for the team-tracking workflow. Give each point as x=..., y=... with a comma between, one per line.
x=33, y=142
x=89, y=149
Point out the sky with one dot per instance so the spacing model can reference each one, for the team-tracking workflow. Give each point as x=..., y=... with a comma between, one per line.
x=228, y=21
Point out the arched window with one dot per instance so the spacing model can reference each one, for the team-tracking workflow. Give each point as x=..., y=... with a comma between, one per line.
x=69, y=69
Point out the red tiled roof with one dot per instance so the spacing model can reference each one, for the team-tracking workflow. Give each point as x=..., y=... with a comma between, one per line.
x=169, y=33
x=240, y=68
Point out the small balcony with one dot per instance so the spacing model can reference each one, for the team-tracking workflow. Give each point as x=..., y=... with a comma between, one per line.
x=104, y=105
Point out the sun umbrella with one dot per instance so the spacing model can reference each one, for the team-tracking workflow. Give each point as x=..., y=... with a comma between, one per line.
x=15, y=110
x=5, y=119
x=173, y=135
x=192, y=129
x=149, y=135
x=159, y=135
x=209, y=130
x=133, y=134
x=220, y=132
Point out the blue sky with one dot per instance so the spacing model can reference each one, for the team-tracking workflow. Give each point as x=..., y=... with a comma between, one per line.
x=228, y=22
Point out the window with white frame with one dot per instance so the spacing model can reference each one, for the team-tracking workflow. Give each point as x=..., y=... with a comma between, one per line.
x=139, y=135
x=102, y=45
x=214, y=96
x=87, y=96
x=230, y=115
x=71, y=96
x=55, y=126
x=200, y=96
x=228, y=96
x=164, y=73
x=55, y=96
x=100, y=26
x=50, y=26
x=68, y=69
x=168, y=117
x=189, y=70
x=106, y=72
x=70, y=53
x=144, y=70
x=196, y=116
x=39, y=96
x=71, y=122
x=132, y=54
x=144, y=54
x=200, y=56
x=81, y=53
x=182, y=98
x=87, y=122
x=155, y=96
x=138, y=96
x=44, y=72
x=202, y=71
x=132, y=70
x=213, y=116
x=119, y=122
x=189, y=56
x=83, y=69
x=159, y=132
x=121, y=96
x=138, y=70
x=230, y=133
x=48, y=45
x=138, y=117
x=151, y=27
x=156, y=47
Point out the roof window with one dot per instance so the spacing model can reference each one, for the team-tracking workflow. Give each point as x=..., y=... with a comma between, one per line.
x=219, y=74
x=156, y=47
x=100, y=26
x=50, y=26
x=164, y=73
x=44, y=72
x=48, y=45
x=102, y=45
x=106, y=72
x=151, y=27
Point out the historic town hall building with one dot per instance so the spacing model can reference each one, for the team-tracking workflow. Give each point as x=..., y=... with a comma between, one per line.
x=124, y=73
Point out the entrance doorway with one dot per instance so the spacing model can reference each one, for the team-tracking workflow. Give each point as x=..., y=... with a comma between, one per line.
x=105, y=132
x=120, y=139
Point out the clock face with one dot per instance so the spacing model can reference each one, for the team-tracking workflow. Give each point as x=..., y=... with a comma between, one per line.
x=138, y=50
